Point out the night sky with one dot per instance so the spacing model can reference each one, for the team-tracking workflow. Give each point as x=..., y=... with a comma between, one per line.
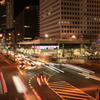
x=19, y=5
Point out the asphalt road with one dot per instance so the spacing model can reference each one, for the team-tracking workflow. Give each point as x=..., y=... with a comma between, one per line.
x=70, y=85
x=93, y=65
x=9, y=69
x=58, y=85
x=87, y=85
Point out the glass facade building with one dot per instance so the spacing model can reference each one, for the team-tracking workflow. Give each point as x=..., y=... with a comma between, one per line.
x=2, y=18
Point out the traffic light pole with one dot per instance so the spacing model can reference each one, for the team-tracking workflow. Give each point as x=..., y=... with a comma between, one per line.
x=7, y=50
x=13, y=41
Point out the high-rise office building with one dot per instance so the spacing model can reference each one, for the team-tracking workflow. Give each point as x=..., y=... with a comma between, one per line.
x=10, y=34
x=66, y=19
x=2, y=17
x=27, y=24
x=6, y=20
x=9, y=14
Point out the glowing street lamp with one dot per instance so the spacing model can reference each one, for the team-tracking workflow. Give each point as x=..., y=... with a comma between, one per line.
x=46, y=35
x=18, y=34
x=73, y=36
x=9, y=34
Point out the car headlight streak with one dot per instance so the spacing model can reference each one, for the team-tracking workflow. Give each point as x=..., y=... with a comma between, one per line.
x=19, y=84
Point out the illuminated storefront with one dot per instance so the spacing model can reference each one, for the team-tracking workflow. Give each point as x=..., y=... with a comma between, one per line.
x=46, y=47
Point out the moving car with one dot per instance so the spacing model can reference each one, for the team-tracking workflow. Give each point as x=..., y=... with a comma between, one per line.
x=41, y=79
x=30, y=68
x=22, y=65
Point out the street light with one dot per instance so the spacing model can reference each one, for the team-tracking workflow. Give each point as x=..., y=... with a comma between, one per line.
x=9, y=34
x=73, y=37
x=46, y=35
x=18, y=34
x=18, y=37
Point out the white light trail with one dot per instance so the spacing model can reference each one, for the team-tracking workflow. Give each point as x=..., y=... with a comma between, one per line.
x=57, y=69
x=77, y=68
x=52, y=68
x=19, y=85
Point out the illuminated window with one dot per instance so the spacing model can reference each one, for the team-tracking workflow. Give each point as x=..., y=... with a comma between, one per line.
x=27, y=38
x=3, y=16
x=59, y=22
x=44, y=15
x=49, y=13
x=27, y=7
x=27, y=26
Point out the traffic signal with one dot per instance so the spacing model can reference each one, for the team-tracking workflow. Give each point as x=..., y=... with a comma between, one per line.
x=7, y=48
x=45, y=48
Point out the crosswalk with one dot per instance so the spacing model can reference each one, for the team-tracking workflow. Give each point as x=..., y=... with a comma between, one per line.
x=90, y=76
x=49, y=72
x=68, y=92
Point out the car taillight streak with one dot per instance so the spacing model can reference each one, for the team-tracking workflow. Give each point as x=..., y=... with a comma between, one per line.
x=3, y=83
x=38, y=80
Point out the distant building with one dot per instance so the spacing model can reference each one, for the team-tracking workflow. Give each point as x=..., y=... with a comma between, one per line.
x=2, y=18
x=27, y=24
x=9, y=34
x=70, y=19
x=9, y=14
x=6, y=19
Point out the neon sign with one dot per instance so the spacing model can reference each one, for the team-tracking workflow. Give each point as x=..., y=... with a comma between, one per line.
x=45, y=47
